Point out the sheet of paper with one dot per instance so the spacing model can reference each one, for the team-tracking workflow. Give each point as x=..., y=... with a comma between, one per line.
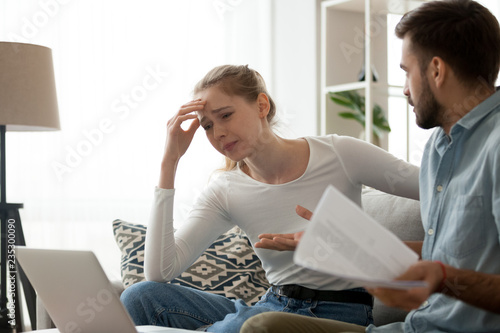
x=344, y=241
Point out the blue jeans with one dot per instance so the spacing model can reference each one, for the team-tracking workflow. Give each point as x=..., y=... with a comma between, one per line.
x=163, y=304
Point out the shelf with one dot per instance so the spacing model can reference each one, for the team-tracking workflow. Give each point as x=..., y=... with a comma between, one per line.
x=345, y=47
x=345, y=87
x=377, y=6
x=392, y=90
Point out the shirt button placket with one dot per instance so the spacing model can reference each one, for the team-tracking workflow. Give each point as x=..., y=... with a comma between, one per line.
x=439, y=189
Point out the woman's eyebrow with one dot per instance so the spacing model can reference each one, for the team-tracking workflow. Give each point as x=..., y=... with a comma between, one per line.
x=215, y=111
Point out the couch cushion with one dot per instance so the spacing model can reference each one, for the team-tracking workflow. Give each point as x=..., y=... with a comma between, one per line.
x=229, y=267
x=402, y=217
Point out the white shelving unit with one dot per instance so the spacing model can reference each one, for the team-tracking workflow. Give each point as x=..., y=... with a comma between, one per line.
x=344, y=44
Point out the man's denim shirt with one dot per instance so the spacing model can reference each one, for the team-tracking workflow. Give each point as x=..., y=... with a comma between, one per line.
x=460, y=206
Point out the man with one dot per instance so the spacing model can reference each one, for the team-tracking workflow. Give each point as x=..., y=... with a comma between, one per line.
x=451, y=56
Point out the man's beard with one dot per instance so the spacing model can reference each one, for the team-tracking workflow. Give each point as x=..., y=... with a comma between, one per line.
x=428, y=111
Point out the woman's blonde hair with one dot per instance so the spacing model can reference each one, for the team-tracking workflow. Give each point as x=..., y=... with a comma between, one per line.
x=240, y=81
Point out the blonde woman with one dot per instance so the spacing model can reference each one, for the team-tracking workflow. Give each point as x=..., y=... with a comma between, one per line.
x=266, y=177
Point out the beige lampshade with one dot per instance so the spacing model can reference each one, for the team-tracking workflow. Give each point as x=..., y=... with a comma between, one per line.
x=28, y=100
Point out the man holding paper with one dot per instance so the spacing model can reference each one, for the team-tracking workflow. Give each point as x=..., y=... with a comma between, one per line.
x=451, y=56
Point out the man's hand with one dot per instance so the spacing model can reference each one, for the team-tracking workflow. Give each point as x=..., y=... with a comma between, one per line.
x=428, y=271
x=284, y=242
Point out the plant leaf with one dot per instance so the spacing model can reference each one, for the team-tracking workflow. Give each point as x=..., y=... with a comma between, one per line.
x=357, y=117
x=342, y=101
x=377, y=133
x=354, y=101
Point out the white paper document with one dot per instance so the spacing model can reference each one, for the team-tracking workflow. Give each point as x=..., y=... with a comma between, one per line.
x=344, y=241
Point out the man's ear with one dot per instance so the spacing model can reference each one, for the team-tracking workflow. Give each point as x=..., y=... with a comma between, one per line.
x=264, y=105
x=439, y=71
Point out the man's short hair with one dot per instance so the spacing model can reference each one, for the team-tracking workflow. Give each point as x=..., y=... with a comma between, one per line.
x=463, y=33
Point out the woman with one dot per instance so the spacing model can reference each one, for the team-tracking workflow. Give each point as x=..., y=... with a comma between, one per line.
x=266, y=177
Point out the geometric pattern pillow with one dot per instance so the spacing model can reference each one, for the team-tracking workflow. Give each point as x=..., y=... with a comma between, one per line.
x=130, y=239
x=229, y=267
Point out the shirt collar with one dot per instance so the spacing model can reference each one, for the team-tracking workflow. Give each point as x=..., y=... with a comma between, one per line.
x=442, y=140
x=479, y=112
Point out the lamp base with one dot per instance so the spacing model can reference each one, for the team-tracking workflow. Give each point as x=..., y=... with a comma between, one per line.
x=11, y=236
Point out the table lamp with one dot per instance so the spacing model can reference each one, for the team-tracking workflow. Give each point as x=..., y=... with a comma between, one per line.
x=28, y=102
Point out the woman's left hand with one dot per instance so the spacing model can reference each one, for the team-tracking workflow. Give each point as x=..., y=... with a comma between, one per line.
x=279, y=242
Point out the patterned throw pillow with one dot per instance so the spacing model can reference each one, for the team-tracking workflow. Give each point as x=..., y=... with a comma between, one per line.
x=229, y=267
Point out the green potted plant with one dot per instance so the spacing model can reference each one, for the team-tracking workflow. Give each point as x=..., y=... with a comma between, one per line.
x=355, y=102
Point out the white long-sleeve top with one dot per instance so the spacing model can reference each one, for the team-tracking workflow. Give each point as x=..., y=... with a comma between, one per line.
x=234, y=198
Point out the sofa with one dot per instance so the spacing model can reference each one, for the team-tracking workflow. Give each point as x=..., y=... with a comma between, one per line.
x=231, y=268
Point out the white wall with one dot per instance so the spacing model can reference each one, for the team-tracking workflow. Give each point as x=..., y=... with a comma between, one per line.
x=278, y=39
x=294, y=65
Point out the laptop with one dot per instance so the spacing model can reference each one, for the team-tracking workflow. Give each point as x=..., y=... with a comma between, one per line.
x=77, y=294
